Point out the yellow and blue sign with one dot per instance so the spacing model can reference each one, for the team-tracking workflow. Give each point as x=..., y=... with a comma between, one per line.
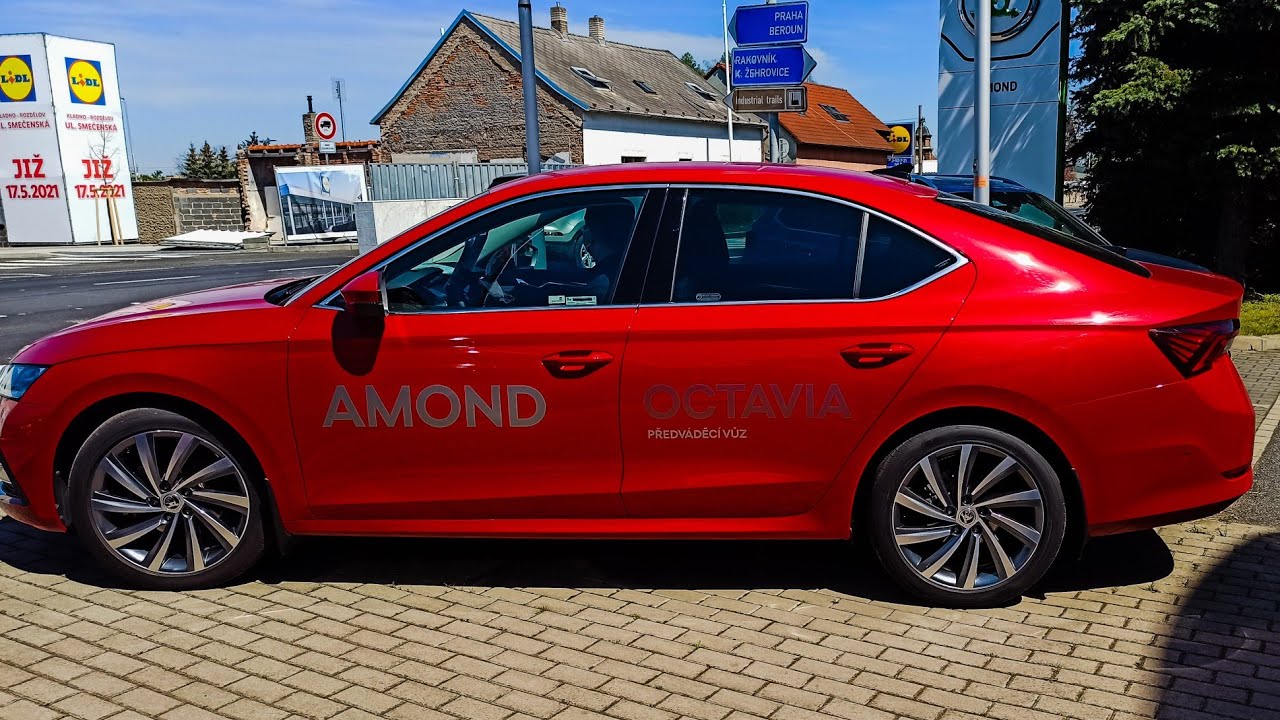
x=17, y=82
x=85, y=78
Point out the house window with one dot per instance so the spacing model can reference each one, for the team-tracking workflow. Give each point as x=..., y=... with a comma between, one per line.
x=701, y=92
x=632, y=158
x=645, y=87
x=591, y=78
x=833, y=112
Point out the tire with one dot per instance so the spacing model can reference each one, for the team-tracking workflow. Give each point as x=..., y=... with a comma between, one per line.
x=208, y=506
x=1012, y=504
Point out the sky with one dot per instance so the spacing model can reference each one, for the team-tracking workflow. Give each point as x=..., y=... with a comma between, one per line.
x=216, y=70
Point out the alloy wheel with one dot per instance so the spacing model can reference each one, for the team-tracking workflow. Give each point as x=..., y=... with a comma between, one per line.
x=169, y=502
x=968, y=517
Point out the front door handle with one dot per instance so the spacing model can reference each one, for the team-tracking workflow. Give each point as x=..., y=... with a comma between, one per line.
x=869, y=356
x=575, y=363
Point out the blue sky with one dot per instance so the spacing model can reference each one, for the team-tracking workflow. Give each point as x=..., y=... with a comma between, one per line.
x=192, y=70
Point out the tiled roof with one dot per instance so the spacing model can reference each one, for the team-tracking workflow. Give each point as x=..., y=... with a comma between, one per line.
x=618, y=63
x=818, y=127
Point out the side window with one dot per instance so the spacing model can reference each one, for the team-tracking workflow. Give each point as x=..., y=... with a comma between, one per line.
x=752, y=245
x=896, y=258
x=558, y=251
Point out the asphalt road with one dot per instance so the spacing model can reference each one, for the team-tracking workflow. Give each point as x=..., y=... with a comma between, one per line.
x=37, y=300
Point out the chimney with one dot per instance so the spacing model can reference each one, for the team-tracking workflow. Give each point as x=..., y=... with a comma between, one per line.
x=595, y=27
x=309, y=124
x=560, y=19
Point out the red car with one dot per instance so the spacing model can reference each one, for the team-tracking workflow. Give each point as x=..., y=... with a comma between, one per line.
x=652, y=351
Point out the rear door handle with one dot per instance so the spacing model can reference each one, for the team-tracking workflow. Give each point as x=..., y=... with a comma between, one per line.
x=869, y=356
x=571, y=364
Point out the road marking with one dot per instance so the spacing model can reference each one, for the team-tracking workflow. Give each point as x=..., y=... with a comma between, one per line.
x=146, y=280
x=309, y=267
x=23, y=275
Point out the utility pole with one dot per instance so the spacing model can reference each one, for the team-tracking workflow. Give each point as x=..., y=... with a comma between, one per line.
x=728, y=76
x=917, y=144
x=528, y=79
x=982, y=107
x=339, y=85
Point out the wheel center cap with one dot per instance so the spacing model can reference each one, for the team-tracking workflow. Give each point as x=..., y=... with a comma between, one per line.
x=171, y=502
x=967, y=516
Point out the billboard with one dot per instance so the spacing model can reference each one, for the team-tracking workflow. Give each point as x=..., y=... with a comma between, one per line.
x=1028, y=90
x=64, y=171
x=319, y=202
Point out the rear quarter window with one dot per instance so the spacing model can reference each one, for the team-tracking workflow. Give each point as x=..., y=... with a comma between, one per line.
x=896, y=259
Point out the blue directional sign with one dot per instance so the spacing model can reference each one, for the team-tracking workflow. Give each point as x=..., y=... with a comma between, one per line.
x=783, y=23
x=779, y=65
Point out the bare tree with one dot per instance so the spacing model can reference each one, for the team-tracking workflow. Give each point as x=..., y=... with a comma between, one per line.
x=104, y=148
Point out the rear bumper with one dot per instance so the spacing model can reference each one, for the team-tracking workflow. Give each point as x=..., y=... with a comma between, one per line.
x=1165, y=454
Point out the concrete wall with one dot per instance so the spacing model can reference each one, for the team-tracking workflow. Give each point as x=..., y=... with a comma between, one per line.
x=469, y=98
x=172, y=207
x=606, y=139
x=378, y=222
x=154, y=204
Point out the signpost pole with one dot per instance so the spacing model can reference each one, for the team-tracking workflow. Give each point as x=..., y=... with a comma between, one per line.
x=982, y=106
x=529, y=80
x=728, y=75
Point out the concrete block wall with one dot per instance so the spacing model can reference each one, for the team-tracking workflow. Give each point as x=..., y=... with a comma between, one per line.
x=208, y=208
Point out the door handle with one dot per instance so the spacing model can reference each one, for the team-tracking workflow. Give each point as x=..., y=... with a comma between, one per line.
x=575, y=363
x=869, y=356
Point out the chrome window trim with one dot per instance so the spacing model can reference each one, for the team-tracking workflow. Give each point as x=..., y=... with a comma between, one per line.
x=862, y=254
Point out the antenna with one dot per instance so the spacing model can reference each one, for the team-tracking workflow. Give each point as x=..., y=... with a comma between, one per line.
x=339, y=93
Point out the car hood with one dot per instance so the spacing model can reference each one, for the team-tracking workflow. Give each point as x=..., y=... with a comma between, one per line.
x=219, y=316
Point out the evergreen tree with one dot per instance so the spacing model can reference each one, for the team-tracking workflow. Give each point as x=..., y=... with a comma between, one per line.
x=207, y=163
x=689, y=60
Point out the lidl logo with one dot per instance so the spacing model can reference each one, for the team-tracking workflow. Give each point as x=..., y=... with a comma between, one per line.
x=85, y=77
x=17, y=84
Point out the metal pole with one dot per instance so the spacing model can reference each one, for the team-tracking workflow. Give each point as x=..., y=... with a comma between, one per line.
x=917, y=145
x=775, y=147
x=728, y=76
x=342, y=116
x=982, y=107
x=529, y=80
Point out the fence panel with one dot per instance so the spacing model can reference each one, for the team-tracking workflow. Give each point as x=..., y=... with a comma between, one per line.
x=432, y=181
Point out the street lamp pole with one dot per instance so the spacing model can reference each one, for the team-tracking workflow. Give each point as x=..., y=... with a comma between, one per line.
x=529, y=81
x=982, y=106
x=728, y=76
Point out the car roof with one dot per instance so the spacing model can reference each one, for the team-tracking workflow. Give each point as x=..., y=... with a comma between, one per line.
x=963, y=184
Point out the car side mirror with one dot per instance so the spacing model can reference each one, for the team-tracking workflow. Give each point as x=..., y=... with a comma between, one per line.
x=362, y=296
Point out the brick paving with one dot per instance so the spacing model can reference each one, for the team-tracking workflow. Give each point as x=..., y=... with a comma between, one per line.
x=1180, y=623
x=1261, y=373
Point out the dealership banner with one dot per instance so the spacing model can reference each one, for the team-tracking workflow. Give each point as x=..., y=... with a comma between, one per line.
x=319, y=202
x=64, y=170
x=1028, y=90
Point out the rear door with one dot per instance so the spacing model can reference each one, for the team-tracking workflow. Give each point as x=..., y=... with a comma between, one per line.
x=775, y=328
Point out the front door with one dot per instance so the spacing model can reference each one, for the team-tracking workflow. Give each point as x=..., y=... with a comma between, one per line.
x=783, y=333
x=490, y=388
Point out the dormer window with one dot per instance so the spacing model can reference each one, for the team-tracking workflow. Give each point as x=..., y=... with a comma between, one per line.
x=645, y=87
x=835, y=113
x=591, y=78
x=701, y=92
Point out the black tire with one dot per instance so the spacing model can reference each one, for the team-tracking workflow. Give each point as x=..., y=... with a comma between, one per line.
x=972, y=517
x=226, y=565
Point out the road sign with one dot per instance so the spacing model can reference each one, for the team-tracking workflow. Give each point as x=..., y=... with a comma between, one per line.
x=762, y=100
x=325, y=126
x=899, y=138
x=328, y=146
x=770, y=24
x=780, y=65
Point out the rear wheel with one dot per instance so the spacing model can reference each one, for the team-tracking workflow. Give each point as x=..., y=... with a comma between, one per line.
x=967, y=516
x=162, y=503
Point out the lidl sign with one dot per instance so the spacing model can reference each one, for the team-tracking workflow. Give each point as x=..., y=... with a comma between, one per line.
x=17, y=84
x=85, y=78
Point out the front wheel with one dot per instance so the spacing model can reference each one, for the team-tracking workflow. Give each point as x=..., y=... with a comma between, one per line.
x=967, y=516
x=160, y=502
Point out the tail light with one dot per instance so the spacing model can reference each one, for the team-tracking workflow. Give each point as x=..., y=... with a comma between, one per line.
x=1193, y=348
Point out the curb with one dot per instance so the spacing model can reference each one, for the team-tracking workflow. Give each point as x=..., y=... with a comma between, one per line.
x=1256, y=342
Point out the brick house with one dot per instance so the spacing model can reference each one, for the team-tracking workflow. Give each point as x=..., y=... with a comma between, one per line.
x=599, y=101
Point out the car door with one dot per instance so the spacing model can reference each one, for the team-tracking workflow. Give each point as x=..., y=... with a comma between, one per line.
x=775, y=327
x=489, y=389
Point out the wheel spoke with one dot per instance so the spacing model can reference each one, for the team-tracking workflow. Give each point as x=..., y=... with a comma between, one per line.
x=124, y=536
x=223, y=534
x=181, y=453
x=929, y=468
x=967, y=456
x=160, y=552
x=913, y=536
x=968, y=575
x=932, y=564
x=911, y=501
x=1018, y=499
x=1029, y=536
x=239, y=503
x=195, y=554
x=112, y=467
x=997, y=474
x=1004, y=566
x=219, y=468
x=147, y=455
x=110, y=503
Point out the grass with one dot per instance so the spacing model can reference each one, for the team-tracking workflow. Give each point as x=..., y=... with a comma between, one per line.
x=1261, y=316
